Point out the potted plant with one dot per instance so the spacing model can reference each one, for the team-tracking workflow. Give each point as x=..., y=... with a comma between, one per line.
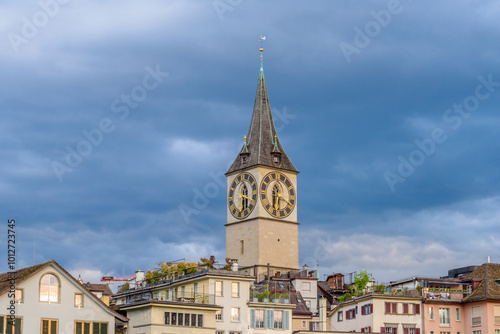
x=286, y=298
x=275, y=297
x=380, y=288
x=253, y=295
x=265, y=296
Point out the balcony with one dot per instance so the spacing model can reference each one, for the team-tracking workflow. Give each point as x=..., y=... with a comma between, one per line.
x=189, y=298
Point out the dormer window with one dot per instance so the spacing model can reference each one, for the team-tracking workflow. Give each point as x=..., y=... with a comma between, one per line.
x=243, y=159
x=276, y=157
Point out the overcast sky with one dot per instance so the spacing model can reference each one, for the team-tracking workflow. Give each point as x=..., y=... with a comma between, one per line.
x=119, y=119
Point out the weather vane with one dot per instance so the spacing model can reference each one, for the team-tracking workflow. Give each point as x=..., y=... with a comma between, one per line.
x=262, y=38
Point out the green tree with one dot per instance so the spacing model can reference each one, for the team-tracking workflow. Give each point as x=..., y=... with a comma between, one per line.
x=361, y=280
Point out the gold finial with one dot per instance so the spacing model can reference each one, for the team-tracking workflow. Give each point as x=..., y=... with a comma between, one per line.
x=275, y=136
x=245, y=139
x=262, y=38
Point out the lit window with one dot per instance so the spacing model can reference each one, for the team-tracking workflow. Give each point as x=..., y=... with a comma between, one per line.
x=444, y=316
x=218, y=288
x=278, y=319
x=218, y=315
x=235, y=314
x=235, y=289
x=19, y=296
x=79, y=300
x=49, y=288
x=49, y=326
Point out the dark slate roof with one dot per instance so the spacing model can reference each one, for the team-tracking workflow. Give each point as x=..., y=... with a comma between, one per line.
x=488, y=289
x=262, y=139
x=301, y=309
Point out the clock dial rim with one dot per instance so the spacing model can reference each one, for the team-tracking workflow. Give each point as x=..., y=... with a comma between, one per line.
x=253, y=191
x=264, y=198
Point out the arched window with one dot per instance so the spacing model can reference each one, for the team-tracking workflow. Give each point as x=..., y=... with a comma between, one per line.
x=244, y=192
x=276, y=203
x=49, y=288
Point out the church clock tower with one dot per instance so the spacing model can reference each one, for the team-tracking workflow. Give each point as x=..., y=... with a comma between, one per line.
x=262, y=227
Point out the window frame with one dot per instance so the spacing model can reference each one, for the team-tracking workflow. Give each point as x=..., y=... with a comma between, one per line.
x=472, y=316
x=49, y=290
x=235, y=293
x=278, y=319
x=260, y=322
x=235, y=311
x=445, y=316
x=82, y=305
x=219, y=292
x=50, y=323
x=458, y=314
x=218, y=315
x=83, y=326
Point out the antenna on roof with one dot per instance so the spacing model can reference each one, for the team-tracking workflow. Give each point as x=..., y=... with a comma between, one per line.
x=34, y=238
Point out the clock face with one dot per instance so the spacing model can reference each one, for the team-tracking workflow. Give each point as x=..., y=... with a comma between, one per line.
x=242, y=196
x=277, y=195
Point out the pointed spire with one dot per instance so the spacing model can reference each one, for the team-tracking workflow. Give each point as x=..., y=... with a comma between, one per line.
x=262, y=142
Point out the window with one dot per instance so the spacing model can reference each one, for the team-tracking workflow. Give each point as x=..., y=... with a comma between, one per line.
x=476, y=316
x=219, y=332
x=234, y=332
x=278, y=319
x=193, y=320
x=391, y=308
x=304, y=324
x=99, y=328
x=367, y=309
x=444, y=316
x=431, y=313
x=392, y=329
x=200, y=320
x=195, y=289
x=49, y=288
x=183, y=291
x=457, y=313
x=409, y=329
x=19, y=298
x=13, y=327
x=444, y=332
x=218, y=315
x=497, y=331
x=350, y=314
x=49, y=326
x=242, y=244
x=340, y=316
x=180, y=316
x=167, y=318
x=496, y=314
x=259, y=318
x=174, y=319
x=235, y=289
x=82, y=327
x=186, y=319
x=235, y=314
x=476, y=332
x=314, y=326
x=79, y=300
x=218, y=288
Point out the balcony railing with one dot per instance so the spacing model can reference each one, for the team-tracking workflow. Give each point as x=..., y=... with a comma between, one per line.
x=190, y=298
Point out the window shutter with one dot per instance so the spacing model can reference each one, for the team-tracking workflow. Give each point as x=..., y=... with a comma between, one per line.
x=370, y=329
x=382, y=329
x=387, y=309
x=417, y=330
x=252, y=318
x=417, y=309
x=286, y=315
x=271, y=320
x=405, y=311
x=371, y=308
x=267, y=318
x=362, y=330
x=406, y=330
x=363, y=310
x=395, y=308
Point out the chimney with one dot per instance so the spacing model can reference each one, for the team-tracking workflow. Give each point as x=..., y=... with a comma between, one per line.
x=305, y=268
x=139, y=277
x=234, y=266
x=322, y=314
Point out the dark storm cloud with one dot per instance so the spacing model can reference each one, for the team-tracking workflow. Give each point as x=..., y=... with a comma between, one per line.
x=344, y=125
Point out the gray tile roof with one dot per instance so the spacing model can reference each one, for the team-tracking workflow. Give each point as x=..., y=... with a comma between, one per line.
x=262, y=139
